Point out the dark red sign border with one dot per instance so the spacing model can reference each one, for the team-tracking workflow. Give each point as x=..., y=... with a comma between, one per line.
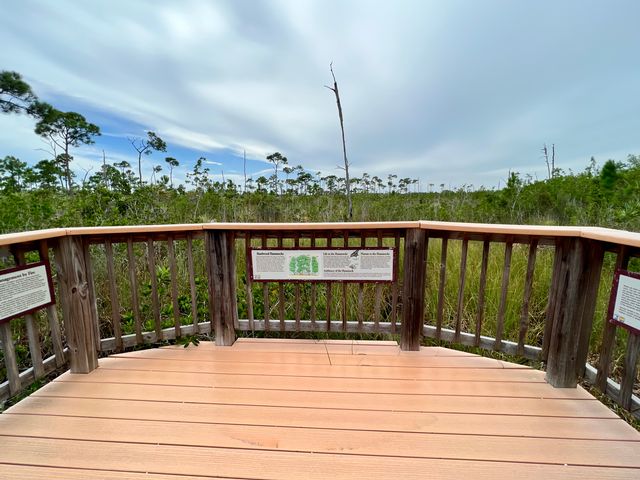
x=49, y=282
x=614, y=293
x=394, y=274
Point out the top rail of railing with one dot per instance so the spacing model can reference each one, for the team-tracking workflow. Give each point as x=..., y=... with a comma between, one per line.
x=620, y=237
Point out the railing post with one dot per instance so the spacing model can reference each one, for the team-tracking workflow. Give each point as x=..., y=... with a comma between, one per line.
x=221, y=273
x=574, y=299
x=75, y=296
x=415, y=244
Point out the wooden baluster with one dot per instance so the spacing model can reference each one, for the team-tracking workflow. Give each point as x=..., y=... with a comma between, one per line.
x=377, y=303
x=192, y=284
x=526, y=299
x=113, y=291
x=249, y=282
x=296, y=289
x=363, y=243
x=265, y=293
x=35, y=350
x=502, y=307
x=557, y=275
x=281, y=299
x=481, y=291
x=10, y=360
x=394, y=287
x=345, y=240
x=461, y=283
x=609, y=330
x=329, y=288
x=173, y=272
x=313, y=291
x=92, y=292
x=630, y=370
x=52, y=314
x=133, y=281
x=443, y=280
x=155, y=302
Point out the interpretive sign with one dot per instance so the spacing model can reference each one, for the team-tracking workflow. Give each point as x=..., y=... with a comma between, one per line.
x=624, y=305
x=24, y=290
x=322, y=265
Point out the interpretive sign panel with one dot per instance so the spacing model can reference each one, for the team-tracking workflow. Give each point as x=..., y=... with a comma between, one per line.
x=24, y=290
x=624, y=305
x=322, y=265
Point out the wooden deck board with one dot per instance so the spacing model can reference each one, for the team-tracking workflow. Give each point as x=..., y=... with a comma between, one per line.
x=312, y=409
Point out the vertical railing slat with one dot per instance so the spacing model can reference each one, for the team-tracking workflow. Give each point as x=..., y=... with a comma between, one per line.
x=526, y=299
x=33, y=335
x=441, y=287
x=343, y=301
x=10, y=360
x=133, y=281
x=630, y=370
x=93, y=301
x=155, y=302
x=313, y=291
x=394, y=287
x=504, y=289
x=329, y=293
x=296, y=289
x=609, y=330
x=173, y=273
x=192, y=284
x=481, y=290
x=556, y=274
x=113, y=292
x=281, y=299
x=363, y=243
x=52, y=314
x=377, y=302
x=265, y=294
x=461, y=285
x=249, y=281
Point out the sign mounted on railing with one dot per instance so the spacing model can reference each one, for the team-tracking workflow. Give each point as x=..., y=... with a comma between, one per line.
x=624, y=305
x=24, y=290
x=323, y=265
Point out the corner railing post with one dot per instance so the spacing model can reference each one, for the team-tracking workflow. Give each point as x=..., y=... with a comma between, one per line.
x=415, y=243
x=221, y=273
x=80, y=318
x=574, y=300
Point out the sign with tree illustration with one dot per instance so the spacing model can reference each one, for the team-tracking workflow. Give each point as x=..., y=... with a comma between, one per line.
x=317, y=264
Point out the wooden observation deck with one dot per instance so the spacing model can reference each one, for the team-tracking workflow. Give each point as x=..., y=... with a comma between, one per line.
x=292, y=408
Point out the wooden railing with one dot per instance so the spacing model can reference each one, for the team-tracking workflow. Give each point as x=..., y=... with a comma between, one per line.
x=529, y=291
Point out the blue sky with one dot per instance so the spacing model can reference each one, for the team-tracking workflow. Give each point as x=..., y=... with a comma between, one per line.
x=451, y=92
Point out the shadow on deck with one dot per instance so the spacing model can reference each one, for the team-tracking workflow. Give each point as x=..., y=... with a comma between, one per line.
x=266, y=409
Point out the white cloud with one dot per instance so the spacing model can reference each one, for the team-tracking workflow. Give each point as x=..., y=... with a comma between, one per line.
x=457, y=92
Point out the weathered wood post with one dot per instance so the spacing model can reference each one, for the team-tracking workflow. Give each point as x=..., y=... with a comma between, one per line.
x=415, y=262
x=221, y=273
x=573, y=301
x=80, y=317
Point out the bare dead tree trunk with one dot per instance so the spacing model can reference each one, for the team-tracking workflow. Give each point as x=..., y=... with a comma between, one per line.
x=244, y=168
x=545, y=154
x=344, y=144
x=553, y=160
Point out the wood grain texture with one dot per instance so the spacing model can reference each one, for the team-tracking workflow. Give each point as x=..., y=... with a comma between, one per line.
x=10, y=360
x=252, y=411
x=78, y=314
x=114, y=298
x=221, y=273
x=415, y=247
x=153, y=275
x=133, y=286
